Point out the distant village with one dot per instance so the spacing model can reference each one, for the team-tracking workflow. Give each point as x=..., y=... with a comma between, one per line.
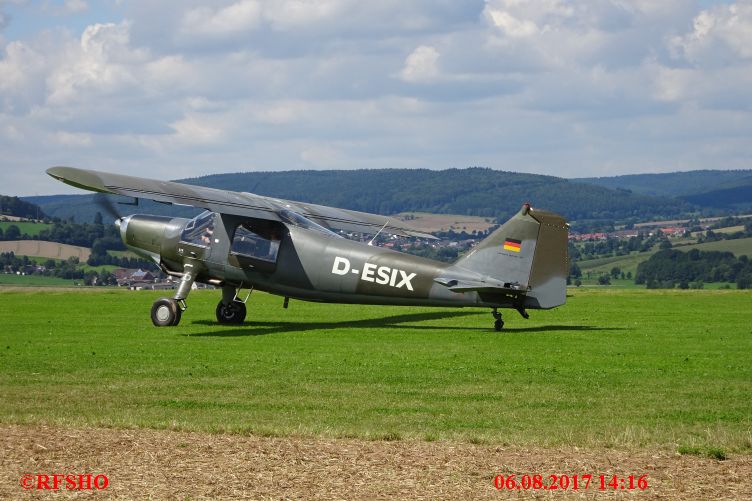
x=448, y=247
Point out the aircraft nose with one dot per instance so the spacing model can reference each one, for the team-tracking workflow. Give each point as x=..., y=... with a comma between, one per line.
x=144, y=234
x=122, y=224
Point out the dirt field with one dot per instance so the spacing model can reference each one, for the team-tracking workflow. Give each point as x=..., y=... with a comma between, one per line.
x=168, y=464
x=444, y=222
x=49, y=250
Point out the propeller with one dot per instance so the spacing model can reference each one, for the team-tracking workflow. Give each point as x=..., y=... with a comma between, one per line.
x=104, y=202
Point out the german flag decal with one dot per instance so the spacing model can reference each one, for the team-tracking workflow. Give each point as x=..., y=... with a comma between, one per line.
x=513, y=245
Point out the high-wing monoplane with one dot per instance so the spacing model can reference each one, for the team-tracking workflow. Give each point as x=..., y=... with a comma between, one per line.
x=243, y=242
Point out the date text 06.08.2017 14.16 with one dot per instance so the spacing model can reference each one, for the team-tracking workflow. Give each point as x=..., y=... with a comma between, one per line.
x=586, y=481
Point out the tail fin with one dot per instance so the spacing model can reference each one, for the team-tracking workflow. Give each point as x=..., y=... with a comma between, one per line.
x=528, y=253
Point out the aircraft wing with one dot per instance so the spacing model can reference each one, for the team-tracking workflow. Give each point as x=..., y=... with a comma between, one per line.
x=351, y=220
x=229, y=202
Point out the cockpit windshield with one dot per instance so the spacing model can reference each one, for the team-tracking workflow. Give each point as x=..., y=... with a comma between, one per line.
x=296, y=219
x=199, y=230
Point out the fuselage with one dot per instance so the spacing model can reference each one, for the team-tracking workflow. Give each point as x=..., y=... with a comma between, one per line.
x=309, y=264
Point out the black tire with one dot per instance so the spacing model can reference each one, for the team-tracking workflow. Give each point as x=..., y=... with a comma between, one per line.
x=498, y=325
x=232, y=313
x=165, y=312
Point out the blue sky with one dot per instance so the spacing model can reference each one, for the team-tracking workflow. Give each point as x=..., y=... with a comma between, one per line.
x=176, y=89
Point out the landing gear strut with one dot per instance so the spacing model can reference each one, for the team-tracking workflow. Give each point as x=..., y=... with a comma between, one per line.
x=499, y=323
x=231, y=309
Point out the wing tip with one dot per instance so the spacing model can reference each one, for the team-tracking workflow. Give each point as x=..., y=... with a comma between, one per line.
x=79, y=178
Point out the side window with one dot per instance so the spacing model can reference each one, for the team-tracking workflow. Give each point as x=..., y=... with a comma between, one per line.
x=199, y=230
x=256, y=241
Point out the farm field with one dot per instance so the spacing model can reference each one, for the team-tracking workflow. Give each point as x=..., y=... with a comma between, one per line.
x=739, y=247
x=50, y=250
x=604, y=264
x=26, y=227
x=428, y=222
x=664, y=370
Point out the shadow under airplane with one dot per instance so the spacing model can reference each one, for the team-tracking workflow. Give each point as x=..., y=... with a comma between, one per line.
x=262, y=328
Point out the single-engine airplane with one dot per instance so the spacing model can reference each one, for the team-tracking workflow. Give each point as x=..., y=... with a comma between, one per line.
x=292, y=249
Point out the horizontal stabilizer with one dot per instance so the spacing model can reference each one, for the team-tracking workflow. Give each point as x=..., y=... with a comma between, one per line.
x=464, y=285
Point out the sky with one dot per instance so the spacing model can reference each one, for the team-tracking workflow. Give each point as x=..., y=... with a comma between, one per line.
x=176, y=89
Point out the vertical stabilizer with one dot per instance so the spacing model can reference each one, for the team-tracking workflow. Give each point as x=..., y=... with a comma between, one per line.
x=527, y=253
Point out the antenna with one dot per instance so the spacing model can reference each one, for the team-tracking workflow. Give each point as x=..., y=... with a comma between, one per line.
x=377, y=233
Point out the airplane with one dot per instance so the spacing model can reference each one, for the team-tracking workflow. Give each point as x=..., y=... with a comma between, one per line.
x=245, y=242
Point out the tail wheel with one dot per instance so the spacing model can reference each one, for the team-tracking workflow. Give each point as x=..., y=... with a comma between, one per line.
x=231, y=313
x=498, y=323
x=165, y=312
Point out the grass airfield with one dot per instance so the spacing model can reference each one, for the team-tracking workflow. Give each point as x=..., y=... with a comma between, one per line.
x=353, y=402
x=618, y=369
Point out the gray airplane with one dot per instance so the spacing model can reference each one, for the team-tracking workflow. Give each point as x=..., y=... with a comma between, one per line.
x=295, y=250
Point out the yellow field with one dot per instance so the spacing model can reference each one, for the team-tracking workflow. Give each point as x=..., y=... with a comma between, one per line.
x=51, y=250
x=444, y=222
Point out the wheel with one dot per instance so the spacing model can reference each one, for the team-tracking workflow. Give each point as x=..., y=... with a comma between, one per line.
x=231, y=313
x=165, y=312
x=498, y=324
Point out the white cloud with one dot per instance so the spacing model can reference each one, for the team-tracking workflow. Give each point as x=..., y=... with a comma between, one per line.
x=561, y=87
x=74, y=6
x=281, y=113
x=234, y=18
x=421, y=65
x=322, y=156
x=101, y=63
x=197, y=129
x=286, y=14
x=725, y=31
x=249, y=15
x=72, y=139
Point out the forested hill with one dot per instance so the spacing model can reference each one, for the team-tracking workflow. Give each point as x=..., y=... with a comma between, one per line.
x=471, y=191
x=675, y=184
x=14, y=206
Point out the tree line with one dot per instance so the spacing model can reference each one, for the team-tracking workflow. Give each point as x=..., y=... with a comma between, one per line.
x=14, y=206
x=669, y=267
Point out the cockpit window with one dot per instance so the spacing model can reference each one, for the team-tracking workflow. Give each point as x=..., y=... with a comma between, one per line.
x=291, y=217
x=258, y=241
x=199, y=230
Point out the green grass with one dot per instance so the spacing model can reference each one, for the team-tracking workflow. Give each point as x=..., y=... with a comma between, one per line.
x=712, y=452
x=31, y=229
x=125, y=253
x=100, y=268
x=604, y=264
x=615, y=283
x=613, y=368
x=740, y=246
x=34, y=280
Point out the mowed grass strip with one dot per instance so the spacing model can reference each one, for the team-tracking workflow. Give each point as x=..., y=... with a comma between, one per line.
x=33, y=280
x=667, y=369
x=26, y=227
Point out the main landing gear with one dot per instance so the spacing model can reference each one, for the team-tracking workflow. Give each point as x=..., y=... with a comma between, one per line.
x=231, y=309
